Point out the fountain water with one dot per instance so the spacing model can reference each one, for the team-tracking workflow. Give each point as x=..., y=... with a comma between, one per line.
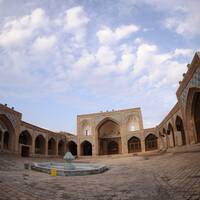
x=68, y=161
x=69, y=168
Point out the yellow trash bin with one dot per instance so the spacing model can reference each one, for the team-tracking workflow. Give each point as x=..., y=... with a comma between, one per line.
x=53, y=172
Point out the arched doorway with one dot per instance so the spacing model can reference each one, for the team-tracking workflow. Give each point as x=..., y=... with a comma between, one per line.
x=8, y=133
x=109, y=137
x=86, y=148
x=25, y=141
x=72, y=147
x=196, y=114
x=40, y=145
x=170, y=133
x=51, y=146
x=61, y=148
x=113, y=147
x=6, y=140
x=180, y=128
x=134, y=145
x=151, y=142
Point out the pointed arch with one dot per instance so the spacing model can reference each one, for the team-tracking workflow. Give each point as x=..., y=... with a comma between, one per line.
x=107, y=119
x=86, y=148
x=51, y=146
x=72, y=147
x=9, y=134
x=25, y=138
x=25, y=143
x=151, y=142
x=134, y=145
x=61, y=148
x=40, y=145
x=109, y=138
x=180, y=128
x=192, y=115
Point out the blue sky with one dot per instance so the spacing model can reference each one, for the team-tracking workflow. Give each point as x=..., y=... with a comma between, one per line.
x=62, y=58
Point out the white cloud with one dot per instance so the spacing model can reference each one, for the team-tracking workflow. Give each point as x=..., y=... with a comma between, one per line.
x=16, y=31
x=83, y=63
x=104, y=70
x=118, y=61
x=75, y=22
x=138, y=40
x=183, y=16
x=154, y=68
x=125, y=31
x=108, y=36
x=44, y=44
x=126, y=62
x=105, y=55
x=183, y=52
x=75, y=18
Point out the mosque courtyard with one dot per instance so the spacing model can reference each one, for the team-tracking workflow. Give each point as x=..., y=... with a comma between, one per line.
x=166, y=176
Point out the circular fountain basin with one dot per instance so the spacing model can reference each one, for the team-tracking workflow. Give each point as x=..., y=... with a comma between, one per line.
x=77, y=170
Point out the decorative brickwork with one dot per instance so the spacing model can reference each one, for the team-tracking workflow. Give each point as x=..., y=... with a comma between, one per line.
x=194, y=82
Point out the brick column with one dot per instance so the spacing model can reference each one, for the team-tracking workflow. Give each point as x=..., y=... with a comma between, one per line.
x=56, y=148
x=78, y=148
x=33, y=147
x=143, y=145
x=124, y=145
x=46, y=147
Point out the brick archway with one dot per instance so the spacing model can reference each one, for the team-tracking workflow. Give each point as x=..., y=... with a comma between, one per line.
x=86, y=148
x=134, y=145
x=72, y=147
x=52, y=146
x=108, y=132
x=40, y=144
x=61, y=148
x=192, y=113
x=180, y=128
x=196, y=114
x=151, y=142
x=25, y=142
x=9, y=135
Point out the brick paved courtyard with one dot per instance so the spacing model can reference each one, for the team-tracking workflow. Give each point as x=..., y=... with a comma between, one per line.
x=167, y=176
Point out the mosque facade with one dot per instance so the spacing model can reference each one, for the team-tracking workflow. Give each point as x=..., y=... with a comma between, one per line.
x=112, y=132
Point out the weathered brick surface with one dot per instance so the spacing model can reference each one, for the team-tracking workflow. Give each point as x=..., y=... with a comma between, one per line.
x=170, y=176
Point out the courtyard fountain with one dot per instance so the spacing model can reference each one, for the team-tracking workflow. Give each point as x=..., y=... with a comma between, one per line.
x=69, y=167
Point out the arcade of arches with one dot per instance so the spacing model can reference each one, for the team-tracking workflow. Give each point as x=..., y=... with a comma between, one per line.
x=110, y=132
